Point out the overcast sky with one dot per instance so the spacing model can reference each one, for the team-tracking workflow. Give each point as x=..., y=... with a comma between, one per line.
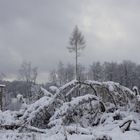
x=39, y=31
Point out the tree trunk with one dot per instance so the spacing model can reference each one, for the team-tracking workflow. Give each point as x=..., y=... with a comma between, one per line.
x=76, y=65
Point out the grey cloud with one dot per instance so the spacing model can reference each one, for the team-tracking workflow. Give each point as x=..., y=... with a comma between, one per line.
x=38, y=31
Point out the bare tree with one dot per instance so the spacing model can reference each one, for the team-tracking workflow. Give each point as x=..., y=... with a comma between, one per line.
x=2, y=76
x=34, y=74
x=95, y=71
x=69, y=72
x=53, y=77
x=77, y=43
x=61, y=73
x=28, y=74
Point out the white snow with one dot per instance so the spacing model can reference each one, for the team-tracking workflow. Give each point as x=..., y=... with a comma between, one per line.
x=7, y=117
x=53, y=88
x=73, y=82
x=1, y=85
x=138, y=97
x=33, y=108
x=72, y=104
x=107, y=127
x=47, y=93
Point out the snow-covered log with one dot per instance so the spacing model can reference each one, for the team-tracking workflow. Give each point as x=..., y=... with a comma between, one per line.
x=65, y=107
x=69, y=111
x=39, y=113
x=110, y=92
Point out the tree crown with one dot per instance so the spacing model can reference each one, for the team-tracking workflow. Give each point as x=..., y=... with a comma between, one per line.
x=77, y=40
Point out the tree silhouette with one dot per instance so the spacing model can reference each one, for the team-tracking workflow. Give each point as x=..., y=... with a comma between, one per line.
x=77, y=43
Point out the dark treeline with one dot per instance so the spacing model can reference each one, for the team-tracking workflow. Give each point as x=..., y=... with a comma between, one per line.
x=126, y=73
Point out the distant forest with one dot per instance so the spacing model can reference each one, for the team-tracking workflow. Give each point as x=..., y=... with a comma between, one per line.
x=126, y=73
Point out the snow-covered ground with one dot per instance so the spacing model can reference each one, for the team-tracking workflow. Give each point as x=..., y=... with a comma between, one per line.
x=110, y=113
x=109, y=128
x=116, y=134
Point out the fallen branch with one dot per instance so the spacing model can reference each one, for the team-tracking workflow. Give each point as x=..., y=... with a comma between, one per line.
x=125, y=126
x=34, y=129
x=90, y=85
x=9, y=127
